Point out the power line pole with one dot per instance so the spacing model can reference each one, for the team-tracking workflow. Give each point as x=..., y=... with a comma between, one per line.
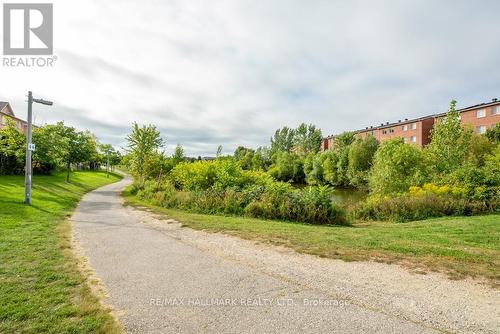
x=27, y=169
x=107, y=163
x=30, y=147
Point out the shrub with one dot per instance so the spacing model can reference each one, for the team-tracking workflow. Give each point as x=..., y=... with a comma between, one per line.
x=396, y=167
x=202, y=175
x=421, y=204
x=272, y=200
x=12, y=149
x=312, y=205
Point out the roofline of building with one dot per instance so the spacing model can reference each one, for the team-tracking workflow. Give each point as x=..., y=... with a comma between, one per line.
x=5, y=106
x=407, y=121
x=14, y=117
x=481, y=105
x=390, y=125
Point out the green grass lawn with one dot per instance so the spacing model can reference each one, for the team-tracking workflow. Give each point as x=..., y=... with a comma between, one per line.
x=41, y=288
x=458, y=246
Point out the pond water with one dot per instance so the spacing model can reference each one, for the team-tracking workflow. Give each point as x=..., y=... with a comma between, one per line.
x=345, y=196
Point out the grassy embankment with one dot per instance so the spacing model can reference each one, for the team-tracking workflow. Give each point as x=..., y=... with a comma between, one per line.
x=41, y=287
x=457, y=246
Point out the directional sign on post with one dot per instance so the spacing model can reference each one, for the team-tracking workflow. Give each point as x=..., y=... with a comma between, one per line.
x=31, y=146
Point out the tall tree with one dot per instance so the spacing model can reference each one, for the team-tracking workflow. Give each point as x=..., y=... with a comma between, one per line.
x=283, y=140
x=178, y=155
x=449, y=143
x=218, y=154
x=142, y=141
x=341, y=145
x=307, y=139
x=361, y=154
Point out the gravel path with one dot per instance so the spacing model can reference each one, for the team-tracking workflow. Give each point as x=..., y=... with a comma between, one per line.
x=161, y=278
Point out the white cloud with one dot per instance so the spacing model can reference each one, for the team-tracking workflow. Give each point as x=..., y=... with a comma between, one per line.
x=231, y=72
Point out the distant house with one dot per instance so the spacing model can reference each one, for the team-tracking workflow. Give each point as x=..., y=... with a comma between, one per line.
x=6, y=113
x=417, y=131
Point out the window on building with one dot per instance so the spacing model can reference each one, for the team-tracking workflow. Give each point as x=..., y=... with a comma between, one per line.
x=413, y=126
x=405, y=127
x=384, y=132
x=481, y=113
x=391, y=130
x=495, y=110
x=413, y=139
x=481, y=129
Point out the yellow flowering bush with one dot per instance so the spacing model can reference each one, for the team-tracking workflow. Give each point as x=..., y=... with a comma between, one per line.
x=431, y=188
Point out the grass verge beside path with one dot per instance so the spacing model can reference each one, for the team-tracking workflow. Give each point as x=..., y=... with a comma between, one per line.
x=457, y=246
x=41, y=288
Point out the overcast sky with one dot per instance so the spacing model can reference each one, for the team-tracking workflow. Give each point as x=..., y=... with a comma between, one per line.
x=231, y=72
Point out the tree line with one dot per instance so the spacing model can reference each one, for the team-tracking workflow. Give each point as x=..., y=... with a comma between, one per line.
x=457, y=173
x=58, y=147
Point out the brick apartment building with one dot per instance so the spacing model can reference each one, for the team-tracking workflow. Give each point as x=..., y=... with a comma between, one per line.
x=480, y=117
x=6, y=112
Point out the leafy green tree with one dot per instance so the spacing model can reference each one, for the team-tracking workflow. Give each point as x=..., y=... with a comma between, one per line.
x=245, y=157
x=50, y=147
x=178, y=155
x=396, y=167
x=64, y=145
x=142, y=142
x=360, y=158
x=12, y=149
x=89, y=154
x=108, y=152
x=330, y=168
x=218, y=153
x=115, y=158
x=308, y=165
x=341, y=144
x=307, y=139
x=288, y=167
x=315, y=171
x=479, y=148
x=449, y=143
x=342, y=141
x=79, y=149
x=261, y=159
x=283, y=140
x=492, y=169
x=493, y=134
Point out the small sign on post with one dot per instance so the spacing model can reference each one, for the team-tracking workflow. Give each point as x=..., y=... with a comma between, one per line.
x=31, y=147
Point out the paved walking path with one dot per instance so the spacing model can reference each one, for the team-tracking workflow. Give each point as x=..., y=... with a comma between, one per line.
x=161, y=278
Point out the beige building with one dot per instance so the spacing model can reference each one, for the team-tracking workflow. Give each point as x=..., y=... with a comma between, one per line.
x=6, y=113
